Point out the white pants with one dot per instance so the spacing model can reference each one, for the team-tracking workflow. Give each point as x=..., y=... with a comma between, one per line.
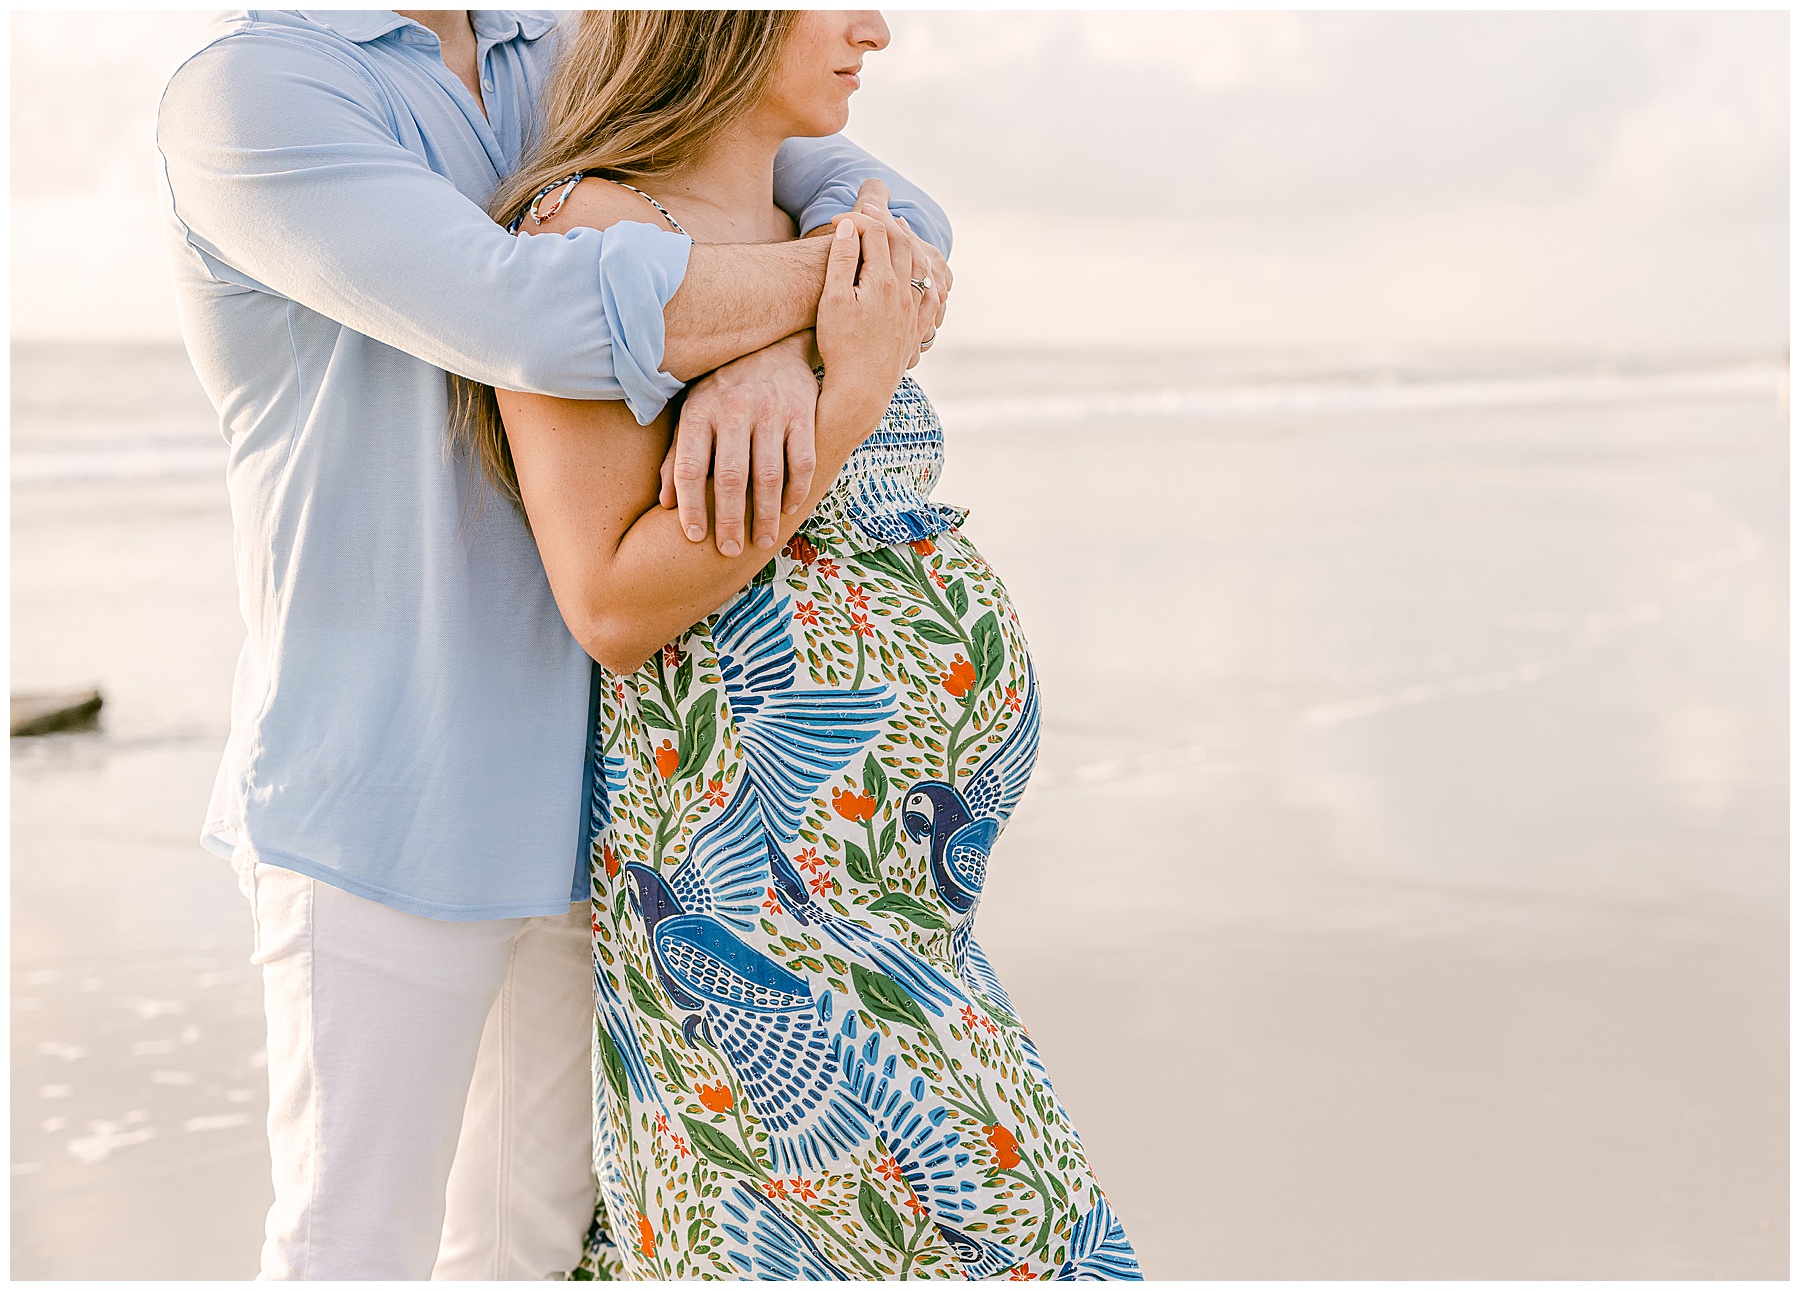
x=429, y=1088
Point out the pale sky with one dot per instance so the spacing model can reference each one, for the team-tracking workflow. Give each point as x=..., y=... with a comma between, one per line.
x=1365, y=181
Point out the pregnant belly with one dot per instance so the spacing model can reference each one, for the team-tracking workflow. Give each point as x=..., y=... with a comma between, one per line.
x=852, y=731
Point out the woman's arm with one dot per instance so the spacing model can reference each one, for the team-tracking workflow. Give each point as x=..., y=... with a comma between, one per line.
x=625, y=577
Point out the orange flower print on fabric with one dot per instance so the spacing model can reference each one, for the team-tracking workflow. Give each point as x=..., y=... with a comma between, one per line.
x=960, y=677
x=1006, y=1147
x=771, y=902
x=851, y=805
x=667, y=760
x=828, y=568
x=807, y=613
x=715, y=793
x=810, y=860
x=856, y=596
x=715, y=1098
x=609, y=859
x=1021, y=1273
x=775, y=1189
x=803, y=1190
x=798, y=548
x=671, y=655
x=889, y=1169
x=924, y=546
x=1013, y=702
x=970, y=1018
x=859, y=623
x=646, y=1237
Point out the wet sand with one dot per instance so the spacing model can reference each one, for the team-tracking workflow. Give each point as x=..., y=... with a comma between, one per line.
x=1402, y=893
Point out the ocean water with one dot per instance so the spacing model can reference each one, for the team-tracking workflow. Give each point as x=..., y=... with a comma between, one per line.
x=1402, y=892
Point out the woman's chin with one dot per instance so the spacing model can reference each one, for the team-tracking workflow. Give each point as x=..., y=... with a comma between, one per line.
x=818, y=125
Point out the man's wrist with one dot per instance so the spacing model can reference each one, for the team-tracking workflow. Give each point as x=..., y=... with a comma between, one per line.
x=804, y=346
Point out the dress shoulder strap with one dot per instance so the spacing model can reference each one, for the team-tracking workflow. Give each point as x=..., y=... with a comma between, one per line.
x=563, y=187
x=673, y=223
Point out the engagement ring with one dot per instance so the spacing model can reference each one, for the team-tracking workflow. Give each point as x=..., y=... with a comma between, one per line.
x=923, y=284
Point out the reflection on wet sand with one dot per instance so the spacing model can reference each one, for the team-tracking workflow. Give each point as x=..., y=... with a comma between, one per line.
x=1402, y=892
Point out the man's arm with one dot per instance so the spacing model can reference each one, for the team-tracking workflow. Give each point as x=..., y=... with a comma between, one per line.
x=738, y=299
x=817, y=179
x=286, y=173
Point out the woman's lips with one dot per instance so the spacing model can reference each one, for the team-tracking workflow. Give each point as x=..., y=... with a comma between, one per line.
x=850, y=78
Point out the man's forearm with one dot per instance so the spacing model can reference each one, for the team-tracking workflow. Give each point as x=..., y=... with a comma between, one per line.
x=736, y=299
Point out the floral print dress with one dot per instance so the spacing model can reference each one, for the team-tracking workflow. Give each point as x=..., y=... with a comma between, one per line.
x=806, y=1068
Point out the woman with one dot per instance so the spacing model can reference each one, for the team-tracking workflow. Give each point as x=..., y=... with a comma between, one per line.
x=807, y=1066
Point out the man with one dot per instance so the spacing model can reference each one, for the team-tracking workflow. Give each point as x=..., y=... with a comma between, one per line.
x=402, y=789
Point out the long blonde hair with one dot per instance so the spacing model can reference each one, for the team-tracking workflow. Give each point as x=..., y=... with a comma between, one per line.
x=636, y=94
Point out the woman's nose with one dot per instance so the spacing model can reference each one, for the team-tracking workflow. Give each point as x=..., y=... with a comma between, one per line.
x=870, y=30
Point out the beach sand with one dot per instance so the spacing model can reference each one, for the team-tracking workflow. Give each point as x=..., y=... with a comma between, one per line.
x=1402, y=893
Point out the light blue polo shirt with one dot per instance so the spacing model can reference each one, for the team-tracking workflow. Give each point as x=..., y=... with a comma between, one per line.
x=409, y=713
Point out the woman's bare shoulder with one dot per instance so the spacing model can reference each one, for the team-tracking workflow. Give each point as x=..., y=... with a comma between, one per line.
x=594, y=204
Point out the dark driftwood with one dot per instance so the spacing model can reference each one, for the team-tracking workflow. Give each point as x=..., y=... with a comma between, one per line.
x=40, y=714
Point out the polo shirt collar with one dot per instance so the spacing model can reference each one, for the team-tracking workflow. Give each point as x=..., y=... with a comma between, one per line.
x=496, y=25
x=500, y=25
x=359, y=25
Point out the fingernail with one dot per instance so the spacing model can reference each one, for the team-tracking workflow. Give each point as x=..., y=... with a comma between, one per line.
x=729, y=547
x=845, y=229
x=765, y=542
x=695, y=532
x=792, y=509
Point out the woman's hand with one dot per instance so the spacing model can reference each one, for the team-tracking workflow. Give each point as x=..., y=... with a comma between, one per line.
x=868, y=330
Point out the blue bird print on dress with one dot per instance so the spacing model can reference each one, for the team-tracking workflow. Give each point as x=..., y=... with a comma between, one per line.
x=1098, y=1249
x=924, y=983
x=793, y=740
x=765, y=1021
x=768, y=1246
x=962, y=827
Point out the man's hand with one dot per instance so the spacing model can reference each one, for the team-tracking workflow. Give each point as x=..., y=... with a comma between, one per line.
x=749, y=422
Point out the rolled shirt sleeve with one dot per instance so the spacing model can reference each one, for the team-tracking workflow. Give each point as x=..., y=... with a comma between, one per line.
x=287, y=167
x=816, y=179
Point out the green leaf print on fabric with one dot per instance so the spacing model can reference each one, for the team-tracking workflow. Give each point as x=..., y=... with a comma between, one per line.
x=613, y=1063
x=908, y=907
x=880, y=1216
x=958, y=592
x=700, y=733
x=887, y=999
x=654, y=715
x=937, y=635
x=890, y=562
x=861, y=868
x=672, y=1067
x=643, y=994
x=990, y=651
x=711, y=1143
x=684, y=679
x=875, y=781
